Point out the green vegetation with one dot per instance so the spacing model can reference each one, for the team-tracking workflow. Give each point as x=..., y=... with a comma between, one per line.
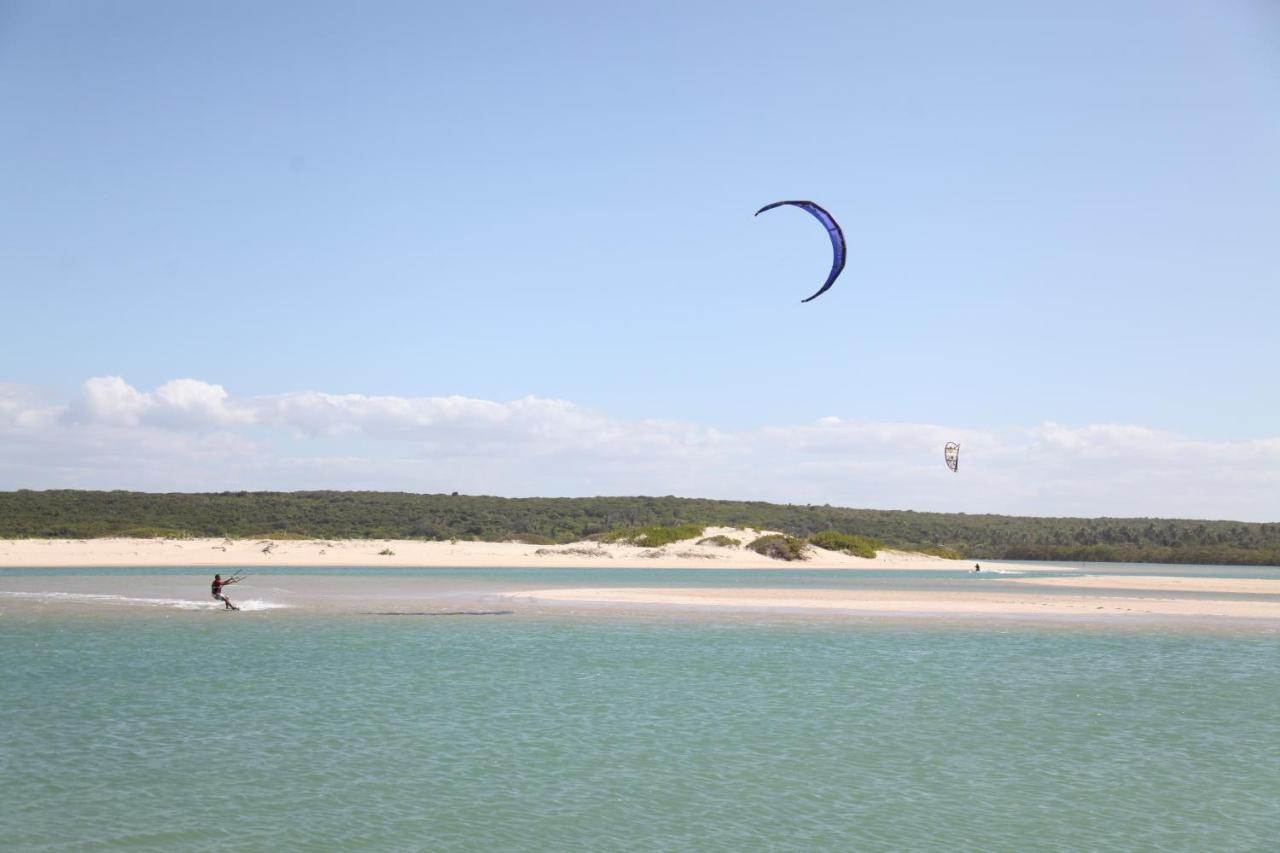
x=939, y=551
x=394, y=515
x=653, y=536
x=153, y=533
x=531, y=539
x=720, y=541
x=855, y=546
x=780, y=547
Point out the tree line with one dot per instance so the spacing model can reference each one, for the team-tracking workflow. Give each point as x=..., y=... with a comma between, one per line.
x=74, y=514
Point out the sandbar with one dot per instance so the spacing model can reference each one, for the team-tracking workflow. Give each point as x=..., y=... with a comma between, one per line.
x=917, y=602
x=1160, y=583
x=1009, y=590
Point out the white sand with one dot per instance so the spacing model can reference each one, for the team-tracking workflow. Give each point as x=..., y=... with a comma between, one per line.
x=1160, y=583
x=977, y=603
x=244, y=553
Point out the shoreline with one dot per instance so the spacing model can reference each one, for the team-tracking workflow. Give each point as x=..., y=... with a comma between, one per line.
x=1005, y=591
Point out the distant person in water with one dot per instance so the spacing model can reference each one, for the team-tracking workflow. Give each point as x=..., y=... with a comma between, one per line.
x=977, y=568
x=218, y=584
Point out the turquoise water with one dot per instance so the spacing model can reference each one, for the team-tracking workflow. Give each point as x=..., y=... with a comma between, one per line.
x=167, y=729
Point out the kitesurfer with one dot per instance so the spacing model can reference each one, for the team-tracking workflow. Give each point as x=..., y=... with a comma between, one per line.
x=218, y=584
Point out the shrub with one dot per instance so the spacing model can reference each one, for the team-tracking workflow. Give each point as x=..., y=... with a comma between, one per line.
x=855, y=546
x=780, y=547
x=720, y=541
x=940, y=551
x=532, y=539
x=653, y=536
x=152, y=533
x=576, y=551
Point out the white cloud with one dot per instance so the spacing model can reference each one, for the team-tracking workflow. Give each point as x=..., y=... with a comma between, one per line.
x=192, y=435
x=319, y=414
x=109, y=399
x=186, y=403
x=190, y=402
x=21, y=409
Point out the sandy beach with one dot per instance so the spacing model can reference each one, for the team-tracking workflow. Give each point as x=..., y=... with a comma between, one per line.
x=257, y=553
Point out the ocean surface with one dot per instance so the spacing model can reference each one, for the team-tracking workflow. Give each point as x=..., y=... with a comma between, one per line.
x=144, y=719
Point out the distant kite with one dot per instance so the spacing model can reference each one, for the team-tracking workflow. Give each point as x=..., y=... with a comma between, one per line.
x=951, y=453
x=833, y=231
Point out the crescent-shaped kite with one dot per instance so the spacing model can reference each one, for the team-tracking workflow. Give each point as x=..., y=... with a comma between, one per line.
x=833, y=231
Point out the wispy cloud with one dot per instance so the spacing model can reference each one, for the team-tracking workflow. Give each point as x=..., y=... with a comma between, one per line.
x=192, y=435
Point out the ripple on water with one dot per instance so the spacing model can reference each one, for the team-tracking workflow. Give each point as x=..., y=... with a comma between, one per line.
x=484, y=734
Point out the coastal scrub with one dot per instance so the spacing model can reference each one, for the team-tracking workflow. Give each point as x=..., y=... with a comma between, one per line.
x=854, y=546
x=780, y=547
x=654, y=536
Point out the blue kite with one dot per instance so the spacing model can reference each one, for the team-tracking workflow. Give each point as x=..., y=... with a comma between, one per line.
x=833, y=231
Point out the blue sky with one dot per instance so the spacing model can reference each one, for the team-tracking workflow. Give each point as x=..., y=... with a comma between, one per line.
x=1060, y=215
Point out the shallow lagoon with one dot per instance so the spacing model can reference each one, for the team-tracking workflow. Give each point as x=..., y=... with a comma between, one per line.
x=152, y=726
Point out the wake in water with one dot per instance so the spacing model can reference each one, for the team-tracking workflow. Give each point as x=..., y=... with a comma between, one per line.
x=176, y=603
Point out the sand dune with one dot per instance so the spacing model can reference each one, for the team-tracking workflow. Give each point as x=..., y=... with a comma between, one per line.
x=246, y=553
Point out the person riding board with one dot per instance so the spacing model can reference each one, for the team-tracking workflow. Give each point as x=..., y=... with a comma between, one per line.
x=218, y=584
